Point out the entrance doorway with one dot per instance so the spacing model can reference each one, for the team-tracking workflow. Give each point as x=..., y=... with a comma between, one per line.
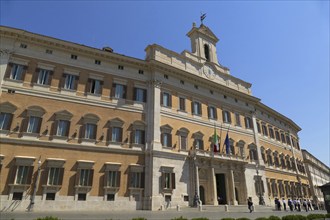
x=221, y=188
x=202, y=194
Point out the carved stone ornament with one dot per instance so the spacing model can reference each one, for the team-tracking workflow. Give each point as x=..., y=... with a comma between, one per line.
x=209, y=72
x=5, y=52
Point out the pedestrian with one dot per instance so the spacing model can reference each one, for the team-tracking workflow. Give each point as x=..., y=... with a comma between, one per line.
x=298, y=205
x=295, y=204
x=276, y=203
x=279, y=205
x=284, y=204
x=196, y=200
x=309, y=205
x=250, y=204
x=305, y=205
x=290, y=205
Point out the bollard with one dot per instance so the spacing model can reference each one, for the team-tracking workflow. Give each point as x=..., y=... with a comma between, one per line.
x=178, y=208
x=226, y=208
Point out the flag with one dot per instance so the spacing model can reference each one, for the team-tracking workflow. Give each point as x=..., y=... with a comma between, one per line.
x=215, y=142
x=227, y=143
x=203, y=16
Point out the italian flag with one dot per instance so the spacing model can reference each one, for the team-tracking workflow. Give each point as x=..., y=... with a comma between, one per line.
x=215, y=142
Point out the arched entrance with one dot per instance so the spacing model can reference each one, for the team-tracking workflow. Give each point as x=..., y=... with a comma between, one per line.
x=202, y=194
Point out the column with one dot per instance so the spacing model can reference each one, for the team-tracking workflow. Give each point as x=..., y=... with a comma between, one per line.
x=214, y=184
x=197, y=181
x=232, y=184
x=256, y=139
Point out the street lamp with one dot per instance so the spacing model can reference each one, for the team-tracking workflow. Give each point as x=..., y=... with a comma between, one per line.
x=35, y=187
x=261, y=199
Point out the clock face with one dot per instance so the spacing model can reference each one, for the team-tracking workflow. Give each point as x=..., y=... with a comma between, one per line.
x=209, y=72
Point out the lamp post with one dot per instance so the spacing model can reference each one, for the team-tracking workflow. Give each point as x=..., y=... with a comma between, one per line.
x=261, y=199
x=35, y=188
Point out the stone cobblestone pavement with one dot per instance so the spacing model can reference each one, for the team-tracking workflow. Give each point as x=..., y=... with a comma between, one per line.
x=212, y=213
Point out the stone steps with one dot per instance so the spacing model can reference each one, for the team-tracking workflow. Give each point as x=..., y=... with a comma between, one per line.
x=231, y=208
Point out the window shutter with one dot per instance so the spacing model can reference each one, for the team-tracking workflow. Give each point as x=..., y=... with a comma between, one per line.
x=8, y=70
x=53, y=130
x=60, y=176
x=13, y=171
x=95, y=132
x=170, y=140
x=29, y=176
x=50, y=77
x=118, y=178
x=143, y=137
x=35, y=75
x=229, y=117
x=215, y=113
x=144, y=95
x=142, y=180
x=113, y=90
x=76, y=82
x=24, y=72
x=129, y=184
x=9, y=122
x=105, y=178
x=173, y=180
x=162, y=139
x=82, y=131
x=132, y=138
x=24, y=124
x=39, y=125
x=101, y=87
x=125, y=91
x=163, y=180
x=88, y=86
x=77, y=177
x=44, y=176
x=170, y=100
x=192, y=108
x=62, y=83
x=110, y=134
x=91, y=175
x=121, y=135
x=246, y=123
x=223, y=116
x=209, y=111
x=68, y=129
x=134, y=94
x=161, y=98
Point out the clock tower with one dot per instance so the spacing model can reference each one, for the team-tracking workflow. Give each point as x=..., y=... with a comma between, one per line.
x=203, y=44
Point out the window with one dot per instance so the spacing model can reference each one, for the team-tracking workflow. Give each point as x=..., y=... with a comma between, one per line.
x=237, y=119
x=139, y=137
x=23, y=175
x=5, y=120
x=17, y=72
x=24, y=46
x=183, y=142
x=120, y=67
x=17, y=196
x=50, y=196
x=258, y=127
x=82, y=196
x=113, y=179
x=288, y=141
x=34, y=125
x=43, y=77
x=98, y=62
x=166, y=99
x=277, y=135
x=182, y=104
x=226, y=116
x=165, y=76
x=269, y=159
x=49, y=51
x=283, y=138
x=85, y=177
x=199, y=144
x=74, y=57
x=63, y=128
x=271, y=132
x=196, y=86
x=70, y=81
x=196, y=108
x=55, y=176
x=136, y=180
x=253, y=154
x=141, y=72
x=211, y=91
x=264, y=130
x=95, y=86
x=140, y=95
x=181, y=82
x=116, y=134
x=168, y=180
x=212, y=112
x=119, y=91
x=90, y=131
x=248, y=123
x=166, y=139
x=207, y=52
x=111, y=197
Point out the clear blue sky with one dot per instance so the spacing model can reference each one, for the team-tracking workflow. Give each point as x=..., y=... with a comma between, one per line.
x=281, y=47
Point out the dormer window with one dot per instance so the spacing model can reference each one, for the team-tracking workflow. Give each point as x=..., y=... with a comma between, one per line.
x=207, y=52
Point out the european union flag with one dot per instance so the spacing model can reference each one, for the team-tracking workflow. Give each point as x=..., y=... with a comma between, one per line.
x=227, y=143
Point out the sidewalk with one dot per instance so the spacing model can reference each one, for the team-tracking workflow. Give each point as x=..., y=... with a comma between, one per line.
x=212, y=213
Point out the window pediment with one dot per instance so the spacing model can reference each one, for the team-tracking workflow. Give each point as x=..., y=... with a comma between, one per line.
x=91, y=118
x=252, y=146
x=198, y=135
x=110, y=166
x=35, y=111
x=138, y=125
x=183, y=132
x=24, y=160
x=63, y=115
x=7, y=107
x=55, y=162
x=166, y=128
x=166, y=169
x=116, y=122
x=136, y=168
x=240, y=143
x=85, y=164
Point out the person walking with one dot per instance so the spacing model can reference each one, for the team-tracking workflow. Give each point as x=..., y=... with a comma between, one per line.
x=279, y=205
x=295, y=204
x=305, y=205
x=284, y=204
x=250, y=204
x=309, y=205
x=298, y=205
x=290, y=205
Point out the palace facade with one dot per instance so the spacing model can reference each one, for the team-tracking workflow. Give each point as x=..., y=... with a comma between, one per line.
x=86, y=128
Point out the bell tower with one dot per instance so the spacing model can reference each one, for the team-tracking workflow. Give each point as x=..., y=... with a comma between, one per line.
x=203, y=43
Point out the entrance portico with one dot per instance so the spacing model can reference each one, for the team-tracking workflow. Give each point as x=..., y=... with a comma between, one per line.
x=220, y=179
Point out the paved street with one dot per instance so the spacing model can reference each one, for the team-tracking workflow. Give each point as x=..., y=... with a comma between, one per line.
x=211, y=213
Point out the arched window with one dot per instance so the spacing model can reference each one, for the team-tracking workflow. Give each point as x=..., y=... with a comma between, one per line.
x=89, y=129
x=183, y=138
x=115, y=134
x=138, y=132
x=198, y=140
x=207, y=52
x=166, y=135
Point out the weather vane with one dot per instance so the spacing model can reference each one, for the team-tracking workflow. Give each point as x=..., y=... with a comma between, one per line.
x=203, y=16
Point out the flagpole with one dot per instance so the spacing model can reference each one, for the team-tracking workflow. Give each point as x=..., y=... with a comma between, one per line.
x=220, y=137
